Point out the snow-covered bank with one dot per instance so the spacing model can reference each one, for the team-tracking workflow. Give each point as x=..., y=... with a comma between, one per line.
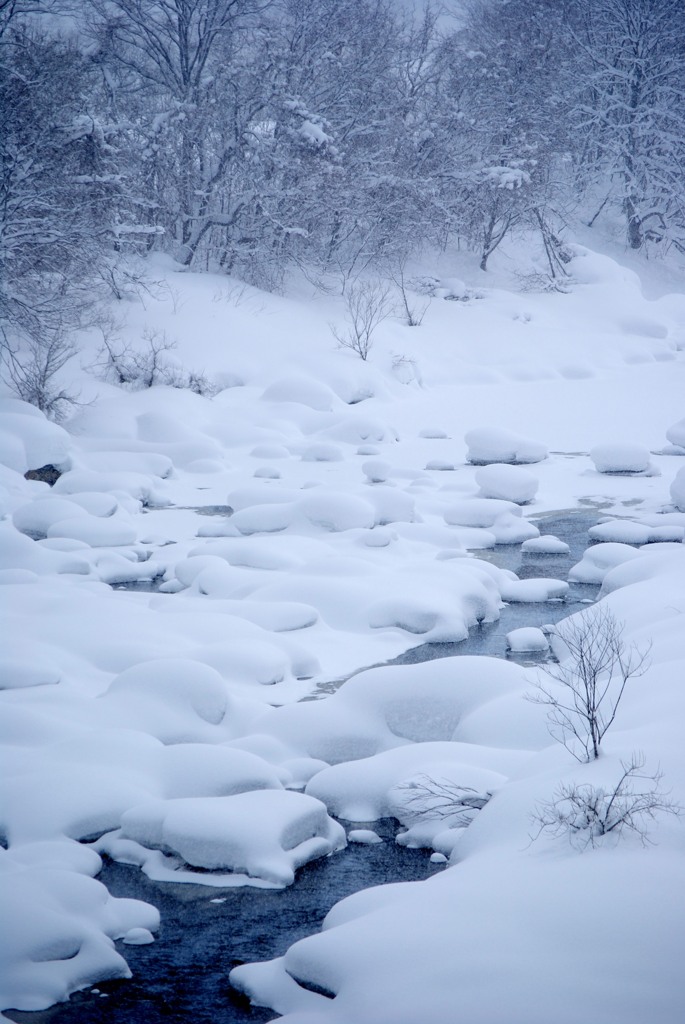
x=164, y=724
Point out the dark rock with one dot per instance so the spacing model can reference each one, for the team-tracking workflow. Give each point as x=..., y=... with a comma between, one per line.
x=47, y=474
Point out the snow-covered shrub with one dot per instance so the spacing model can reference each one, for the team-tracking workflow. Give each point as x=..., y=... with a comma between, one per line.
x=130, y=368
x=584, y=814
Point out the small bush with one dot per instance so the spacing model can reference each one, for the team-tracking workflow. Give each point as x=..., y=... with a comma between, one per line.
x=368, y=305
x=425, y=798
x=136, y=369
x=31, y=371
x=585, y=814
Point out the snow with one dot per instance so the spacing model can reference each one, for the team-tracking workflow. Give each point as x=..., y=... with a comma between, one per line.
x=546, y=545
x=676, y=433
x=508, y=482
x=492, y=444
x=619, y=457
x=262, y=834
x=348, y=522
x=678, y=490
x=528, y=638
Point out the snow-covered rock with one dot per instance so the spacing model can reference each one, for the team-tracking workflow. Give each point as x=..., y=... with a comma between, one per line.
x=491, y=444
x=527, y=638
x=265, y=834
x=620, y=458
x=508, y=482
x=545, y=545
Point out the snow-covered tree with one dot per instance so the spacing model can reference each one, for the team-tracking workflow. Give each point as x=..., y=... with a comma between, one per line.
x=629, y=108
x=59, y=187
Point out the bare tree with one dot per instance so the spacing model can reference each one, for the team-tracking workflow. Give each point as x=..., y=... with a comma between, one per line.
x=592, y=678
x=368, y=305
x=412, y=314
x=584, y=813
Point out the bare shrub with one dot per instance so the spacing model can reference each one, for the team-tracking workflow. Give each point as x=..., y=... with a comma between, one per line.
x=413, y=313
x=584, y=814
x=120, y=363
x=592, y=680
x=368, y=305
x=31, y=370
x=426, y=797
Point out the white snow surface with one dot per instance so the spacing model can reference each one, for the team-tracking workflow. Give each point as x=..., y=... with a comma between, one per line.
x=319, y=515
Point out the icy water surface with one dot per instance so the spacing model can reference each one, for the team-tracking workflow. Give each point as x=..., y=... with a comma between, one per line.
x=183, y=976
x=490, y=637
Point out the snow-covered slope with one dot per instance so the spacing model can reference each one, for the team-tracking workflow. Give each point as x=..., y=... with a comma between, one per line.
x=349, y=501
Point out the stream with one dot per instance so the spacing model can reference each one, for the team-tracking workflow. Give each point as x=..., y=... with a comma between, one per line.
x=205, y=932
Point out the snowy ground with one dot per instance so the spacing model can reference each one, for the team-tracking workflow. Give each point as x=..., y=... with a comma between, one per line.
x=163, y=727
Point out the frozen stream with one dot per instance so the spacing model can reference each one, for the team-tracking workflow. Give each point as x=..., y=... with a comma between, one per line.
x=206, y=932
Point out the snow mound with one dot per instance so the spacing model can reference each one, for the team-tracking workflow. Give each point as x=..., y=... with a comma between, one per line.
x=533, y=590
x=366, y=836
x=176, y=700
x=528, y=638
x=58, y=929
x=481, y=512
x=366, y=789
x=383, y=708
x=376, y=471
x=489, y=444
x=678, y=490
x=510, y=483
x=676, y=434
x=263, y=834
x=620, y=457
x=433, y=433
x=35, y=441
x=94, y=531
x=335, y=511
x=36, y=517
x=322, y=451
x=302, y=391
x=545, y=545
x=621, y=531
x=599, y=559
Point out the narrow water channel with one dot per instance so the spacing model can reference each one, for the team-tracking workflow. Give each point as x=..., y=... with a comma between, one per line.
x=206, y=932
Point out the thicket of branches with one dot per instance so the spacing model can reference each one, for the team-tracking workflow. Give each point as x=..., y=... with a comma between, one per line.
x=250, y=135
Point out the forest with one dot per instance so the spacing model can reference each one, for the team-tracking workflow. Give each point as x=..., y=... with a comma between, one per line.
x=252, y=137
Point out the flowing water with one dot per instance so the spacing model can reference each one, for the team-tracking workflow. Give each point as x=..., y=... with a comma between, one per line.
x=205, y=932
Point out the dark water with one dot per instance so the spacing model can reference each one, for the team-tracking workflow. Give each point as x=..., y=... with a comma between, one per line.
x=490, y=637
x=183, y=976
